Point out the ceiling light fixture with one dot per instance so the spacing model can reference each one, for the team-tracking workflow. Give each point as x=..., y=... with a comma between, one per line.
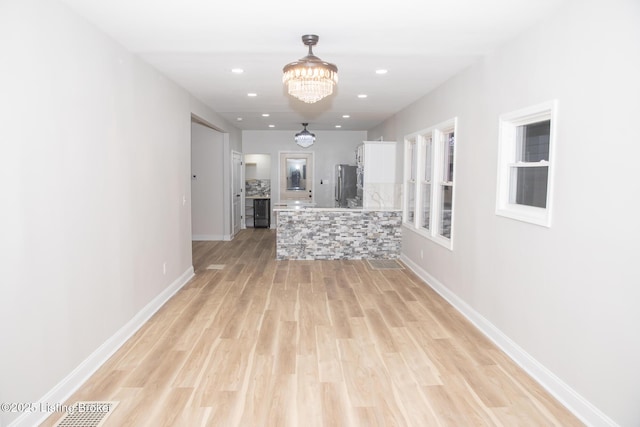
x=305, y=138
x=310, y=79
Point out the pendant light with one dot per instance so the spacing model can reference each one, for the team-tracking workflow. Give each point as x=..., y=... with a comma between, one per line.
x=304, y=138
x=310, y=79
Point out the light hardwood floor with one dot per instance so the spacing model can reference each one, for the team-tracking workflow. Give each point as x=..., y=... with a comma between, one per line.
x=311, y=343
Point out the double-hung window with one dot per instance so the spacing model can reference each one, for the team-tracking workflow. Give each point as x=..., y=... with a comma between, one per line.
x=447, y=145
x=412, y=155
x=525, y=164
x=425, y=190
x=429, y=182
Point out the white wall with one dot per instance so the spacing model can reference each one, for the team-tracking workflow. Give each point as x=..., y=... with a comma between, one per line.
x=330, y=148
x=567, y=295
x=202, y=113
x=260, y=166
x=207, y=195
x=94, y=177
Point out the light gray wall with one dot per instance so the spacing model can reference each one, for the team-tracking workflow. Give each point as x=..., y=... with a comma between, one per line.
x=568, y=295
x=261, y=165
x=330, y=148
x=94, y=177
x=203, y=113
x=207, y=195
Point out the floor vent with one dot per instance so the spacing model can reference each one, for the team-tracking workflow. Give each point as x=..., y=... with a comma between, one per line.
x=87, y=414
x=384, y=264
x=215, y=267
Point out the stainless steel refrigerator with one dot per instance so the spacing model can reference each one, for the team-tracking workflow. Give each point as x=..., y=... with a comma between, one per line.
x=345, y=180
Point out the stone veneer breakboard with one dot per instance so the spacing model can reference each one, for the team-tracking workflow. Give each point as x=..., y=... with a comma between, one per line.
x=309, y=234
x=257, y=187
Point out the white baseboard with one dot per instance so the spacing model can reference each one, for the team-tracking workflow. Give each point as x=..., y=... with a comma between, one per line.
x=209, y=237
x=573, y=401
x=65, y=388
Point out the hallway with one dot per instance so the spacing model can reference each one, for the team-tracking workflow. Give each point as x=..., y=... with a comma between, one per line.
x=259, y=342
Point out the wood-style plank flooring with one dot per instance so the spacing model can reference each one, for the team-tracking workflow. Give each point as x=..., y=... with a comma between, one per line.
x=311, y=343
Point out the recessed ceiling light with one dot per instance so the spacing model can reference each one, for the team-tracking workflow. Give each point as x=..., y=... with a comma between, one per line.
x=338, y=126
x=362, y=95
x=252, y=94
x=381, y=71
x=345, y=116
x=239, y=119
x=265, y=115
x=272, y=126
x=237, y=70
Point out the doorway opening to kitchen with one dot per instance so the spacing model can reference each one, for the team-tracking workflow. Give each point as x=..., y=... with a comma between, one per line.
x=257, y=173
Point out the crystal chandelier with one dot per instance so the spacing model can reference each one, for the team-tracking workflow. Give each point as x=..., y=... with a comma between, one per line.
x=310, y=79
x=305, y=138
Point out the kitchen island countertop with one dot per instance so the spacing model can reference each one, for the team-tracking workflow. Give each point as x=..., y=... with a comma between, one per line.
x=319, y=208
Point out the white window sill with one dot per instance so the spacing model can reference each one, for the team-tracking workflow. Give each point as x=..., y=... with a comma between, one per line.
x=532, y=215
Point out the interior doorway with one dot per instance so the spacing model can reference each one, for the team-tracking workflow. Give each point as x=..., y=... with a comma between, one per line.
x=257, y=178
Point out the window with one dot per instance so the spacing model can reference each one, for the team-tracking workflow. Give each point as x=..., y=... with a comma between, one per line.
x=525, y=164
x=447, y=141
x=412, y=156
x=425, y=191
x=429, y=177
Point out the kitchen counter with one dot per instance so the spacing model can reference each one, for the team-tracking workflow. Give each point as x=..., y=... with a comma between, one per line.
x=282, y=206
x=324, y=209
x=308, y=232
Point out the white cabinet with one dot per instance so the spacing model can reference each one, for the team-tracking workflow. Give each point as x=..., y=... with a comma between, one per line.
x=377, y=186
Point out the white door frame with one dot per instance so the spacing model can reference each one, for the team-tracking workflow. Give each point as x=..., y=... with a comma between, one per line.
x=313, y=168
x=234, y=195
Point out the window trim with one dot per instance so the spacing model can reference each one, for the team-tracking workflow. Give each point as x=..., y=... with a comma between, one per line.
x=426, y=139
x=507, y=124
x=409, y=156
x=436, y=133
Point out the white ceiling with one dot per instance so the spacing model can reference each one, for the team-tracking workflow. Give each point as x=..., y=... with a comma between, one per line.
x=421, y=43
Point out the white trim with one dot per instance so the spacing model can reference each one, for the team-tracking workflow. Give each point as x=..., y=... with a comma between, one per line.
x=408, y=168
x=507, y=124
x=233, y=196
x=438, y=150
x=313, y=172
x=72, y=382
x=210, y=237
x=227, y=188
x=574, y=402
